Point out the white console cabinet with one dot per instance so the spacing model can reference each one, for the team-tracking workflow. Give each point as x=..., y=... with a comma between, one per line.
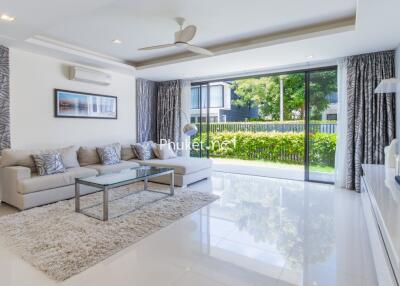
x=381, y=203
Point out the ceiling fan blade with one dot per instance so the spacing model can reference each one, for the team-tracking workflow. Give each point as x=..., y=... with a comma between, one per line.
x=199, y=50
x=186, y=34
x=157, y=47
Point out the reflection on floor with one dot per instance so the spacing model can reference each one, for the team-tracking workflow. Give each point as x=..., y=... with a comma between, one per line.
x=269, y=169
x=261, y=231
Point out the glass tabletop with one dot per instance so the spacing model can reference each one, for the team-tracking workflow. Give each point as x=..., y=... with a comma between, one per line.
x=125, y=175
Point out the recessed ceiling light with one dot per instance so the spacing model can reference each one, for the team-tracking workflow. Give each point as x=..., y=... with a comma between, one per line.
x=5, y=17
x=117, y=41
x=309, y=57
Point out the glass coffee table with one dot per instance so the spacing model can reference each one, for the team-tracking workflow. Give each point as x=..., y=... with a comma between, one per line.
x=107, y=182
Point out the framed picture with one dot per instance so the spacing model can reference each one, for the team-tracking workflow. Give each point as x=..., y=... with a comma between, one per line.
x=74, y=104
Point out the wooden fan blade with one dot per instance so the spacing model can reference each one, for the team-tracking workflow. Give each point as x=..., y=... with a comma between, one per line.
x=186, y=34
x=199, y=50
x=157, y=47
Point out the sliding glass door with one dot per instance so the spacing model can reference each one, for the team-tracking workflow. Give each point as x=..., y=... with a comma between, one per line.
x=200, y=115
x=280, y=125
x=321, y=102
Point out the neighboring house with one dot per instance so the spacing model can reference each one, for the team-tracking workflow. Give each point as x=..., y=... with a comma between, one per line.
x=331, y=111
x=238, y=113
x=221, y=109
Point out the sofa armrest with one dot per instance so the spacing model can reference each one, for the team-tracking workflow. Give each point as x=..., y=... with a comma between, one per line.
x=10, y=177
x=16, y=173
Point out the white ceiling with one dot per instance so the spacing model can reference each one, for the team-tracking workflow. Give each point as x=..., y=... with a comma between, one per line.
x=377, y=29
x=141, y=23
x=89, y=26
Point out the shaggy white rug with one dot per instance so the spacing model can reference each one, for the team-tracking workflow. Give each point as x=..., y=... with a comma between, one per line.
x=62, y=243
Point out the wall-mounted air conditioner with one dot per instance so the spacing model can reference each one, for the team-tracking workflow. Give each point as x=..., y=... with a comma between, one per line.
x=89, y=76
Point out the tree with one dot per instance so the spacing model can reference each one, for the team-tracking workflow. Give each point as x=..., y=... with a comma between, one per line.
x=264, y=93
x=254, y=92
x=322, y=84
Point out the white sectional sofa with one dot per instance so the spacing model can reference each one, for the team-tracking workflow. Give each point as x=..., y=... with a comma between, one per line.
x=24, y=189
x=187, y=170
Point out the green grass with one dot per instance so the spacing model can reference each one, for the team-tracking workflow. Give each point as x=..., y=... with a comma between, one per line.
x=322, y=169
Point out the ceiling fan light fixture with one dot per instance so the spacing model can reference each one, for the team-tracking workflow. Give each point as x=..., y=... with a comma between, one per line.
x=182, y=39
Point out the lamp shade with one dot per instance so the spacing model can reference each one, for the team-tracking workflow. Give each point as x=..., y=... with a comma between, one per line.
x=388, y=86
x=190, y=129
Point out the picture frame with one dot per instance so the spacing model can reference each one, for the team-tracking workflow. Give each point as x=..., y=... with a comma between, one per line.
x=74, y=104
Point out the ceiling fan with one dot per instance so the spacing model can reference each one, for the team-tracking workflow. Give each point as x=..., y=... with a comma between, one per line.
x=182, y=38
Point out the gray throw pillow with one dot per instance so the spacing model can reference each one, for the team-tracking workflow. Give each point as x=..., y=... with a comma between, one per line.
x=117, y=147
x=108, y=155
x=144, y=150
x=49, y=163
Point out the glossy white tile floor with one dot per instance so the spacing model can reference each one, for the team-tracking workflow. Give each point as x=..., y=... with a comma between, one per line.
x=261, y=231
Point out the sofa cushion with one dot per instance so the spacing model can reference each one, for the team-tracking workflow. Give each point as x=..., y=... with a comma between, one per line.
x=39, y=183
x=69, y=157
x=13, y=157
x=105, y=169
x=164, y=151
x=127, y=153
x=181, y=165
x=87, y=156
x=81, y=172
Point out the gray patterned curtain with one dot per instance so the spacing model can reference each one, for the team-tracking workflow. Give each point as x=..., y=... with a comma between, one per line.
x=4, y=99
x=169, y=111
x=146, y=110
x=371, y=117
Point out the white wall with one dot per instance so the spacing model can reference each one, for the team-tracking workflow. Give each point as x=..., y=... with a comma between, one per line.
x=33, y=79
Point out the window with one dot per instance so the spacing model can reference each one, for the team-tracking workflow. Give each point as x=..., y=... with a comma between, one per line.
x=331, y=117
x=216, y=97
x=195, y=97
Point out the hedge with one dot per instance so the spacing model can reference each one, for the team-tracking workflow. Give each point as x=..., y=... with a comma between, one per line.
x=272, y=146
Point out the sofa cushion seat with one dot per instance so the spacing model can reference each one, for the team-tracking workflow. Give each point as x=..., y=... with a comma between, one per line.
x=105, y=169
x=181, y=165
x=81, y=172
x=39, y=183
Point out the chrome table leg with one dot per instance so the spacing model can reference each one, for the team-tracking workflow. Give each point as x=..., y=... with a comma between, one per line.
x=172, y=185
x=77, y=198
x=105, y=204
